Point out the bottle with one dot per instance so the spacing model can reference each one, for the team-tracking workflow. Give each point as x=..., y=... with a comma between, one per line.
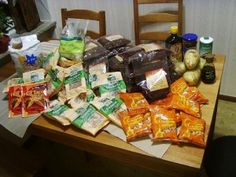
x=174, y=43
x=208, y=75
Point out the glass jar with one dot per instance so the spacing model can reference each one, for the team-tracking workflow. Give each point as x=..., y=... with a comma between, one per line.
x=189, y=41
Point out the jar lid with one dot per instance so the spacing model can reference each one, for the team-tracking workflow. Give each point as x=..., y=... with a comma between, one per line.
x=206, y=39
x=190, y=37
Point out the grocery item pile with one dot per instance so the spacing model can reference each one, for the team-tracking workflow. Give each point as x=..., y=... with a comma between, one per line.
x=91, y=83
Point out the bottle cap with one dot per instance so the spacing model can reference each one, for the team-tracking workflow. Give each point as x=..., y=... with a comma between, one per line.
x=174, y=29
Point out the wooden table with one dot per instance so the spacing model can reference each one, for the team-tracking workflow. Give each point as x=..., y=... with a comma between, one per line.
x=181, y=161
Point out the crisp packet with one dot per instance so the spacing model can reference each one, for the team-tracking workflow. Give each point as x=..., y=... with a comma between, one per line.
x=74, y=80
x=110, y=107
x=192, y=130
x=89, y=119
x=34, y=98
x=15, y=101
x=135, y=126
x=178, y=86
x=192, y=93
x=135, y=102
x=163, y=124
x=181, y=103
x=60, y=112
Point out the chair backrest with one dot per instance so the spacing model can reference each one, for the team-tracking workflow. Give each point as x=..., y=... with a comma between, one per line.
x=86, y=15
x=161, y=17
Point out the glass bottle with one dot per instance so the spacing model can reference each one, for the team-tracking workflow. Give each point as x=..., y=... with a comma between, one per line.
x=174, y=43
x=208, y=75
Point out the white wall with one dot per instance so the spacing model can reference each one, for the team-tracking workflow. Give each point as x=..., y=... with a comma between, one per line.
x=215, y=18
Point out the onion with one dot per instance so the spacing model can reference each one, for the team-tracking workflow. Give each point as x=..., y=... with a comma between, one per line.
x=191, y=59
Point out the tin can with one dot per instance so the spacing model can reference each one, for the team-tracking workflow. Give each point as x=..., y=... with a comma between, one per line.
x=205, y=45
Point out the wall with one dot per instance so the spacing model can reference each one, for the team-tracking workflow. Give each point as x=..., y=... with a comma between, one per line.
x=215, y=18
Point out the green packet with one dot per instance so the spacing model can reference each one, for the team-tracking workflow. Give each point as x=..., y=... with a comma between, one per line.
x=109, y=83
x=72, y=48
x=74, y=80
x=60, y=112
x=110, y=107
x=82, y=97
x=89, y=119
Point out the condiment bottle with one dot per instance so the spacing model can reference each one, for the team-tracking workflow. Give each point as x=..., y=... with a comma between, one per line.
x=208, y=75
x=174, y=43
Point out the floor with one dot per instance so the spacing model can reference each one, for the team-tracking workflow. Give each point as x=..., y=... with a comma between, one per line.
x=61, y=161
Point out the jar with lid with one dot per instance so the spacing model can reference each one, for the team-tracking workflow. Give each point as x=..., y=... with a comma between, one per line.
x=174, y=43
x=189, y=41
x=208, y=75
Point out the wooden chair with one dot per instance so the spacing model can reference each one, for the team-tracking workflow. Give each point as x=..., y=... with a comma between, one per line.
x=161, y=17
x=86, y=15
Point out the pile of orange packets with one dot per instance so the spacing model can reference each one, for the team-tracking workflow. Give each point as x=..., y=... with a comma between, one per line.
x=177, y=118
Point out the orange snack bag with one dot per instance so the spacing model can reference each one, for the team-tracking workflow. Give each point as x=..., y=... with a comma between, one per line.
x=163, y=124
x=178, y=86
x=135, y=102
x=178, y=119
x=192, y=130
x=193, y=94
x=135, y=126
x=180, y=103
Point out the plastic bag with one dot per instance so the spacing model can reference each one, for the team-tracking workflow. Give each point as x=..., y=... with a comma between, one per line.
x=72, y=39
x=26, y=58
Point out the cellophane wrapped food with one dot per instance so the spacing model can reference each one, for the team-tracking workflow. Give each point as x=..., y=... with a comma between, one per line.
x=72, y=40
x=113, y=41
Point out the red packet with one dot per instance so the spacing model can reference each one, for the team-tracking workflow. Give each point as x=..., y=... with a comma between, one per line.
x=34, y=98
x=14, y=101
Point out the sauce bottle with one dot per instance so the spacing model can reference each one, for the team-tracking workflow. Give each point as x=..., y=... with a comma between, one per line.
x=174, y=43
x=208, y=75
